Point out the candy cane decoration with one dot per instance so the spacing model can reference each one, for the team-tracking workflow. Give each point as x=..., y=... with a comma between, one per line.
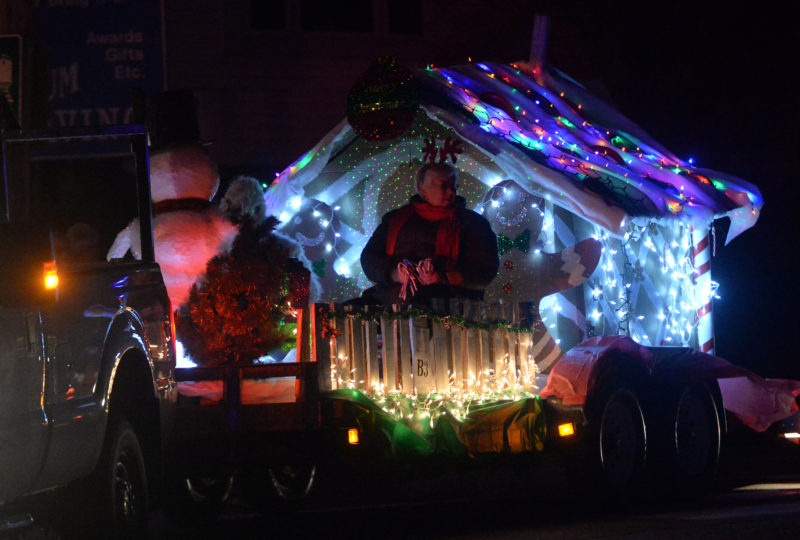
x=701, y=260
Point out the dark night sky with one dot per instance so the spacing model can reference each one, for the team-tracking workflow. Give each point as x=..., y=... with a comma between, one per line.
x=716, y=86
x=710, y=81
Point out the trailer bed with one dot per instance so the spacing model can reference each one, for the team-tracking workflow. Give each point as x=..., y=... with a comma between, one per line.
x=232, y=416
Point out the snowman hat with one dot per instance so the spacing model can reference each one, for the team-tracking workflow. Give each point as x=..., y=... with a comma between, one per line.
x=171, y=119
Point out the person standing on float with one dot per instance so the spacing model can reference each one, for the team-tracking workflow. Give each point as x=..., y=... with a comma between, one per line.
x=433, y=247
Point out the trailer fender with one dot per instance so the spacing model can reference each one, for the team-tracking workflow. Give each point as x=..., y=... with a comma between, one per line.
x=757, y=402
x=573, y=377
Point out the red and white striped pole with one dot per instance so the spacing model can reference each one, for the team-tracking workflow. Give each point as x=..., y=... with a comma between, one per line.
x=701, y=260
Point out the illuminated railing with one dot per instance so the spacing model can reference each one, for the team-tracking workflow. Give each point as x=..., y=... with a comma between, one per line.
x=455, y=347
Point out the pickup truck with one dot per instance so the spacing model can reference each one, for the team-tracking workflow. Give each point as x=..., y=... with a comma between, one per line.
x=87, y=356
x=94, y=428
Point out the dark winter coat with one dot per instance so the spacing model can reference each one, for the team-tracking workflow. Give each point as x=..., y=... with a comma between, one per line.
x=477, y=260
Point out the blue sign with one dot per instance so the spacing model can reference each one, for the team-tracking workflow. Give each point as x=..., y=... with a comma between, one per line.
x=99, y=51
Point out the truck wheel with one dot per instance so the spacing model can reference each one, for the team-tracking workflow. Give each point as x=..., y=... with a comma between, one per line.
x=119, y=485
x=622, y=441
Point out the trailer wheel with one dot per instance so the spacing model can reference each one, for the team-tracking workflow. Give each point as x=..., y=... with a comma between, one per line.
x=278, y=489
x=292, y=482
x=209, y=490
x=622, y=441
x=196, y=498
x=695, y=435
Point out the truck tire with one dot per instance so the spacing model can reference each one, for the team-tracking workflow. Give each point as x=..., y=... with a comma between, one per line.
x=118, y=487
x=621, y=440
x=112, y=502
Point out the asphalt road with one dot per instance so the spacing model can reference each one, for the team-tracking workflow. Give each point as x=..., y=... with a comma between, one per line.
x=757, y=496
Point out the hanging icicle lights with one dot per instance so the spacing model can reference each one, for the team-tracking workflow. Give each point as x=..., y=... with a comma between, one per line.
x=646, y=286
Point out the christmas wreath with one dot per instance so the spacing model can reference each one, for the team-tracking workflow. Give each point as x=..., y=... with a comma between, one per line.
x=243, y=307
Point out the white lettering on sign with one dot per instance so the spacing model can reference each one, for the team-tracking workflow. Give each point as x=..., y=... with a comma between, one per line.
x=128, y=73
x=129, y=37
x=64, y=81
x=92, y=116
x=123, y=54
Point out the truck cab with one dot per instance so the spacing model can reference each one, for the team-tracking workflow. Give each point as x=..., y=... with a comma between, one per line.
x=87, y=355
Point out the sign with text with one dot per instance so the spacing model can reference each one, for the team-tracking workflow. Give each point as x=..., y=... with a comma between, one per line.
x=11, y=73
x=99, y=51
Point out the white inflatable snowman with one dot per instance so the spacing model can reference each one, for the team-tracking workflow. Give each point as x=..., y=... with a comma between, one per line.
x=188, y=230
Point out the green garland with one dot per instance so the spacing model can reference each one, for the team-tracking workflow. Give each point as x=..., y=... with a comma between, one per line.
x=448, y=321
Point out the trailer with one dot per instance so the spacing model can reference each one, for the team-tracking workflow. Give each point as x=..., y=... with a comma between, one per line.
x=597, y=330
x=462, y=382
x=594, y=342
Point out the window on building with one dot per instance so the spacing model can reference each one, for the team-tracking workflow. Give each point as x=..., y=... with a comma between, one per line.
x=268, y=14
x=354, y=16
x=405, y=16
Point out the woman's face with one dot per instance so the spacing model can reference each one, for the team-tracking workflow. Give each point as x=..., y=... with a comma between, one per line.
x=438, y=189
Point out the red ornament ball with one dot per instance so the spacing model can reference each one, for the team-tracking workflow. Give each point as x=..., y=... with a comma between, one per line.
x=384, y=100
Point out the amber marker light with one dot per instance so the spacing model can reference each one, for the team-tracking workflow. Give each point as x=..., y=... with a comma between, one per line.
x=352, y=436
x=566, y=430
x=50, y=275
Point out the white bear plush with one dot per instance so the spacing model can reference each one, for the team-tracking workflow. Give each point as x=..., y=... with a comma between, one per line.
x=187, y=229
x=244, y=199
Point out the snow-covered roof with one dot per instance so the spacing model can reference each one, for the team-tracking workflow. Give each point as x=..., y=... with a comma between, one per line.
x=555, y=139
x=546, y=120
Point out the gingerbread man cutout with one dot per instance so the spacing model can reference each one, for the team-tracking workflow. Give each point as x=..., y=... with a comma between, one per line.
x=527, y=272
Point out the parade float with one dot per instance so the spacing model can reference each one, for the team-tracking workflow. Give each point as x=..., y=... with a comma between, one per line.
x=598, y=326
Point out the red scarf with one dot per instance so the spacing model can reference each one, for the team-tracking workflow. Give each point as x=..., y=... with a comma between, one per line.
x=448, y=235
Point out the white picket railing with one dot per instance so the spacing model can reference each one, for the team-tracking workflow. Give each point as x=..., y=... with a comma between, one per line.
x=458, y=346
